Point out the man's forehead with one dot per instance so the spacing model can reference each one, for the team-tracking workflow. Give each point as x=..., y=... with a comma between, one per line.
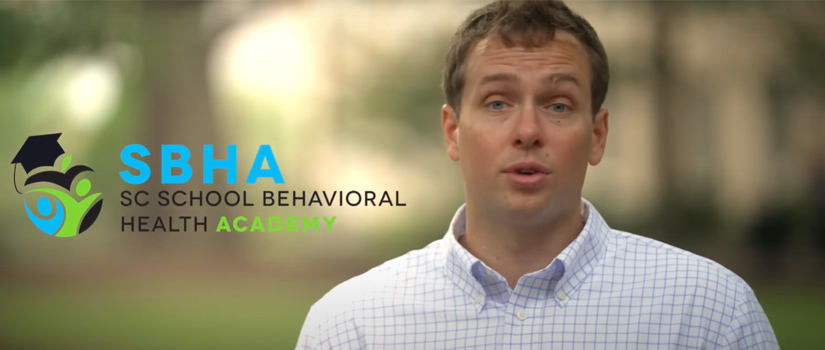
x=494, y=41
x=550, y=78
x=564, y=49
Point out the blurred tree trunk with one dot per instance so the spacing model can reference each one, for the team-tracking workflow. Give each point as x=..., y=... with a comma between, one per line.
x=665, y=126
x=177, y=106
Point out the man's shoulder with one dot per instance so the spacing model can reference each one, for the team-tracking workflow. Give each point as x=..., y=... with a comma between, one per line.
x=393, y=278
x=657, y=263
x=700, y=290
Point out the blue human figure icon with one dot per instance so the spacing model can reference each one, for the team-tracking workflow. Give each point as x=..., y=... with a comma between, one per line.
x=49, y=215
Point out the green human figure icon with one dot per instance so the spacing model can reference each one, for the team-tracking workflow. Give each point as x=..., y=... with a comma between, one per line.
x=75, y=210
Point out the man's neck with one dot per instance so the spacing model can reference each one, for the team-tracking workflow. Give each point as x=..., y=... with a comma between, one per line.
x=514, y=249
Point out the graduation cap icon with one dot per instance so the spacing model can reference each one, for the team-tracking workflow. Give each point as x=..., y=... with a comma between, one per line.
x=43, y=150
x=37, y=151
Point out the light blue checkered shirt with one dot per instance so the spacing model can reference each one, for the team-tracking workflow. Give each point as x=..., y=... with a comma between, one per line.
x=607, y=290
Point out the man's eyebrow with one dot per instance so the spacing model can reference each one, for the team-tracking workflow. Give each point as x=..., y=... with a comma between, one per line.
x=552, y=79
x=556, y=78
x=498, y=77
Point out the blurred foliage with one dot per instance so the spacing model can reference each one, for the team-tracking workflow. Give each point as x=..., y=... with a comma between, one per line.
x=34, y=32
x=404, y=89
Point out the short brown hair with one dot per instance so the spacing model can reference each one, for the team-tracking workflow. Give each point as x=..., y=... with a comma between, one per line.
x=532, y=24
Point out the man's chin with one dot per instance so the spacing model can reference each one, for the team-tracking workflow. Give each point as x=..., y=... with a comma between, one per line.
x=528, y=209
x=535, y=210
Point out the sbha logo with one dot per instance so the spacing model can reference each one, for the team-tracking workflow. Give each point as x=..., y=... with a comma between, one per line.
x=57, y=199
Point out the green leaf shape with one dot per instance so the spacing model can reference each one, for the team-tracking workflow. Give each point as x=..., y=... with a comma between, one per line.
x=66, y=162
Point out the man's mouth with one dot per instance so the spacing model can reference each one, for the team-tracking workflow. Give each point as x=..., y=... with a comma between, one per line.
x=526, y=174
x=527, y=168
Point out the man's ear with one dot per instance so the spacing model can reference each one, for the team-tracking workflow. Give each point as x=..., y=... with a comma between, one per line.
x=449, y=125
x=599, y=139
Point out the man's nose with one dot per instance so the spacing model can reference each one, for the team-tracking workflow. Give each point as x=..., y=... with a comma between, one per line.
x=527, y=129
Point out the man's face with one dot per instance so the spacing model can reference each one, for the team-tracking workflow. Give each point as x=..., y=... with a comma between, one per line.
x=526, y=132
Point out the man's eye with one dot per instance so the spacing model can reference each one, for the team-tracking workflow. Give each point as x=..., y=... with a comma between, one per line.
x=496, y=105
x=558, y=108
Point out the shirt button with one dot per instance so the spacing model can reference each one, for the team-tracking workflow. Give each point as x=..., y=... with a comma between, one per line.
x=522, y=315
x=562, y=296
x=478, y=299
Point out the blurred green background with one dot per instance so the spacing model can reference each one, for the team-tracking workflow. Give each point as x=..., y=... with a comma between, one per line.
x=715, y=146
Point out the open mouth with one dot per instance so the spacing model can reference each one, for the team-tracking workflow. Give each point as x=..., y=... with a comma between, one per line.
x=527, y=174
x=527, y=168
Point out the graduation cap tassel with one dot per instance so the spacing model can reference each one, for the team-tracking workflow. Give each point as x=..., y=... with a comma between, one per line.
x=14, y=178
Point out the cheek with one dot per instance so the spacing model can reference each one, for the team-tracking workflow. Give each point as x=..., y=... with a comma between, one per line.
x=571, y=148
x=477, y=148
x=480, y=140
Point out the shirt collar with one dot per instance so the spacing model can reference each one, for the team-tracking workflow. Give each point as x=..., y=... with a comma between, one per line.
x=460, y=263
x=563, y=276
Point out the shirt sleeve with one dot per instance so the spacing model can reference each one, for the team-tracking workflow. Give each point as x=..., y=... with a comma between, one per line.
x=749, y=328
x=308, y=340
x=329, y=327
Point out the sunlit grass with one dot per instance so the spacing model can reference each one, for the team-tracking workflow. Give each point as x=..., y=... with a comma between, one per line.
x=797, y=316
x=204, y=317
x=249, y=316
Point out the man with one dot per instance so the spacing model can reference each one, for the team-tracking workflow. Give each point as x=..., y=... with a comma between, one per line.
x=526, y=262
